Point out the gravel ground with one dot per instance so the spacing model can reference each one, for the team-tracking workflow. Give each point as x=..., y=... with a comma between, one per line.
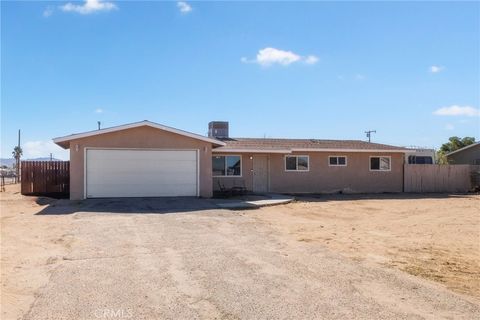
x=221, y=264
x=183, y=259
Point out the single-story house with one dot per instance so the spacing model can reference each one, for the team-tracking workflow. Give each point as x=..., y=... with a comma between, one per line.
x=146, y=159
x=466, y=155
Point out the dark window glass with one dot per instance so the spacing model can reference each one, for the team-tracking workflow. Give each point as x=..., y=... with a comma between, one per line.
x=342, y=161
x=375, y=163
x=384, y=163
x=302, y=163
x=226, y=165
x=423, y=160
x=233, y=165
x=218, y=166
x=291, y=163
x=333, y=161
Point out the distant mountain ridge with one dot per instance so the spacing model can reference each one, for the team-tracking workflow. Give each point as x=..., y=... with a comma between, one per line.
x=9, y=162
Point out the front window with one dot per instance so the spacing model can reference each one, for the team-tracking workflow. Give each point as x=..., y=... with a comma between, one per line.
x=296, y=163
x=337, y=161
x=226, y=166
x=380, y=163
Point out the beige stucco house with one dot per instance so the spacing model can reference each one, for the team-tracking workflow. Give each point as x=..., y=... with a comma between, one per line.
x=466, y=155
x=146, y=159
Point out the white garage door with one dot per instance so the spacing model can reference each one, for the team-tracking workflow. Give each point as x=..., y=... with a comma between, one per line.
x=140, y=173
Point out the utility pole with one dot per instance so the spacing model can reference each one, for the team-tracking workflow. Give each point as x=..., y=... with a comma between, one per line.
x=51, y=156
x=369, y=134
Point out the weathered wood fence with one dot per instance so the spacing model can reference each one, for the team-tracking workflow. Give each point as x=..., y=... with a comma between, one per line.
x=439, y=178
x=50, y=178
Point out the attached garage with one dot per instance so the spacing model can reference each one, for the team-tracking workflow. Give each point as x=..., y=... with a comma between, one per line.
x=142, y=159
x=141, y=173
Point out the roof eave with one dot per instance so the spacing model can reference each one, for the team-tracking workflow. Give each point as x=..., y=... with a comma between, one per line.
x=60, y=140
x=286, y=151
x=240, y=150
x=462, y=149
x=348, y=150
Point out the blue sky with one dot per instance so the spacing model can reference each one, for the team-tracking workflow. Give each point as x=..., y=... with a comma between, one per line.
x=276, y=69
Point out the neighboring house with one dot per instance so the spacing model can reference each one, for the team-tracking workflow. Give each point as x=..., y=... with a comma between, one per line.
x=466, y=155
x=146, y=159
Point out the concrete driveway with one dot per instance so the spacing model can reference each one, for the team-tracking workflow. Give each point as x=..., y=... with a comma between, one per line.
x=185, y=259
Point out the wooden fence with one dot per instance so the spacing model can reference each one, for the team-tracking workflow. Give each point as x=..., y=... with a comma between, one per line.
x=439, y=178
x=50, y=178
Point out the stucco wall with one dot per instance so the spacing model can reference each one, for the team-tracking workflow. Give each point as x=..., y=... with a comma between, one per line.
x=356, y=177
x=140, y=137
x=467, y=156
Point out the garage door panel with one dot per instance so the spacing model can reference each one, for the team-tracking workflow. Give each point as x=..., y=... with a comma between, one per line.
x=151, y=180
x=140, y=191
x=141, y=173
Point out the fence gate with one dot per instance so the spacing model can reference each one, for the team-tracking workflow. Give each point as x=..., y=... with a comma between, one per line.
x=50, y=178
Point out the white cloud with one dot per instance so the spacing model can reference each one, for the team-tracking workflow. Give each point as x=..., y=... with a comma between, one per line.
x=48, y=11
x=360, y=77
x=269, y=56
x=99, y=110
x=457, y=111
x=311, y=59
x=436, y=69
x=184, y=7
x=90, y=6
x=37, y=149
x=449, y=126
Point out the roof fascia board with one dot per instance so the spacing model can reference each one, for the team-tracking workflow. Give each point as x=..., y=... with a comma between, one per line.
x=135, y=125
x=347, y=150
x=220, y=150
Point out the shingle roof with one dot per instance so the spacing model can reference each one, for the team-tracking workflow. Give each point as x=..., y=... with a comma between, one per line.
x=464, y=148
x=255, y=144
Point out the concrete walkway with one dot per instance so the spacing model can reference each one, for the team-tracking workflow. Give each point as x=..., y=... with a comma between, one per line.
x=238, y=204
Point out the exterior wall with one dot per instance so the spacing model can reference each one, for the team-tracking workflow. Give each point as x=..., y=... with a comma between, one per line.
x=140, y=137
x=356, y=177
x=467, y=156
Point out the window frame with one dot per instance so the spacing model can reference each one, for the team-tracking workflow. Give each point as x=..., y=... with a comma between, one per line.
x=379, y=169
x=338, y=165
x=296, y=156
x=225, y=164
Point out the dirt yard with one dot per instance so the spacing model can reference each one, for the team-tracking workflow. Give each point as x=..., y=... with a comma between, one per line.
x=326, y=257
x=436, y=237
x=31, y=247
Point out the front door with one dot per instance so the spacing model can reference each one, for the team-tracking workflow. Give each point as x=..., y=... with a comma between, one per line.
x=260, y=173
